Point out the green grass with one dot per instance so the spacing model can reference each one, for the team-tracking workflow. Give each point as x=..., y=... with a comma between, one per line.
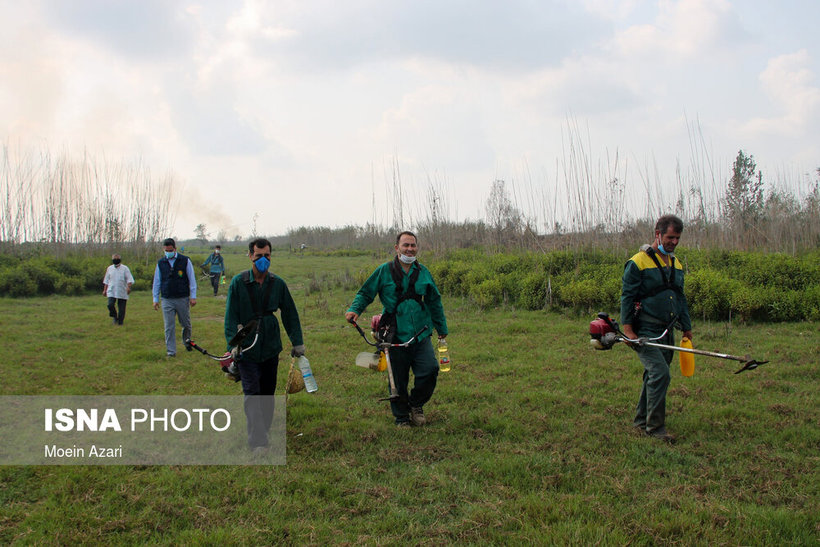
x=529, y=437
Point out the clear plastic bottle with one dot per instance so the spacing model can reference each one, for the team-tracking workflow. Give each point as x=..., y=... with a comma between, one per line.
x=307, y=374
x=443, y=355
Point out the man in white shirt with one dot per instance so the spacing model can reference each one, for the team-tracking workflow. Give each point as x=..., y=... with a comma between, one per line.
x=117, y=286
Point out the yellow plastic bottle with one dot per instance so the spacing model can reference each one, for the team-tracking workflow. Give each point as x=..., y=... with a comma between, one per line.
x=687, y=360
x=443, y=355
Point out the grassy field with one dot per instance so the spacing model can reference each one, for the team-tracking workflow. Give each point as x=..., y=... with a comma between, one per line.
x=529, y=437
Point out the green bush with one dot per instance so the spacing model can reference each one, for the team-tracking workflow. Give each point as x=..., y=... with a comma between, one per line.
x=533, y=293
x=69, y=285
x=489, y=292
x=789, y=306
x=708, y=293
x=16, y=282
x=811, y=303
x=43, y=276
x=582, y=295
x=719, y=284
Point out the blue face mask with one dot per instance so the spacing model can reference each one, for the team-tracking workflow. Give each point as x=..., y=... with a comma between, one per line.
x=661, y=249
x=262, y=263
x=170, y=254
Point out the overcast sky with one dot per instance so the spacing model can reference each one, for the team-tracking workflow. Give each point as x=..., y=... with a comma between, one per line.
x=300, y=112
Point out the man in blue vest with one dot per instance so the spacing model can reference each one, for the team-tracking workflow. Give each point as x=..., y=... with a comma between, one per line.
x=174, y=279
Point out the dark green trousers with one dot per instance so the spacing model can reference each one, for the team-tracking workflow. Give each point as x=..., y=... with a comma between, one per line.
x=421, y=359
x=651, y=411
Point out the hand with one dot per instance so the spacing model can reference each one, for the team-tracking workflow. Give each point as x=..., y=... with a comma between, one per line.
x=105, y=292
x=156, y=306
x=687, y=334
x=351, y=317
x=297, y=351
x=128, y=289
x=234, y=353
x=193, y=302
x=629, y=333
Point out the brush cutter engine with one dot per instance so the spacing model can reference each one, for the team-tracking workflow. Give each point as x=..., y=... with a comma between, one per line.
x=602, y=335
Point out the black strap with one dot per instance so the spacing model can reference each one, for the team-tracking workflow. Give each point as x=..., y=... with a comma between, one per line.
x=258, y=313
x=397, y=273
x=668, y=282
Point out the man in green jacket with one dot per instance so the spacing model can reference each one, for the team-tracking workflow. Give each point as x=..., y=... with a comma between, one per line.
x=256, y=294
x=652, y=299
x=416, y=302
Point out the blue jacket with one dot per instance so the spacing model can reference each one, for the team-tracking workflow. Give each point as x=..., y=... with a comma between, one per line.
x=174, y=281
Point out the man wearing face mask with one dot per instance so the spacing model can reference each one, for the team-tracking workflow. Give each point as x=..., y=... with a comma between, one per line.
x=117, y=286
x=652, y=299
x=217, y=267
x=256, y=294
x=174, y=279
x=406, y=289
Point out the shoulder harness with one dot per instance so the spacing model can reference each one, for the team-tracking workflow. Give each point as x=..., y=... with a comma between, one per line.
x=258, y=313
x=668, y=282
x=398, y=277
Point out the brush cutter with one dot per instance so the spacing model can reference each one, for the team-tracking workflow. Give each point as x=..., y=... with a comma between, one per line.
x=605, y=333
x=380, y=360
x=228, y=360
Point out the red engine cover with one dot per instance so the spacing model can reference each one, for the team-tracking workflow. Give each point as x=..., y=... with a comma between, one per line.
x=598, y=328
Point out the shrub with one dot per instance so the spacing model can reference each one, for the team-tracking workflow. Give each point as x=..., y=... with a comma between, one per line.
x=16, y=282
x=750, y=302
x=488, y=293
x=533, y=292
x=43, y=275
x=583, y=294
x=789, y=306
x=708, y=293
x=69, y=285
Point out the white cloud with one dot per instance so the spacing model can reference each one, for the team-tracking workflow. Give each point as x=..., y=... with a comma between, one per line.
x=790, y=84
x=289, y=100
x=684, y=29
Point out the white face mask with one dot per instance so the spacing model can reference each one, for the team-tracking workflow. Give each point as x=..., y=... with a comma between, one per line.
x=407, y=259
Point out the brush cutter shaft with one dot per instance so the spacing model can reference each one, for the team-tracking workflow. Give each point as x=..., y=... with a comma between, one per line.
x=394, y=393
x=688, y=350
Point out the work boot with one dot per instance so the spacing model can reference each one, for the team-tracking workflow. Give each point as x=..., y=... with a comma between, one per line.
x=402, y=424
x=662, y=435
x=417, y=415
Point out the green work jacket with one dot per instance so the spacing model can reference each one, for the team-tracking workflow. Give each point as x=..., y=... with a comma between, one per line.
x=410, y=315
x=240, y=310
x=641, y=278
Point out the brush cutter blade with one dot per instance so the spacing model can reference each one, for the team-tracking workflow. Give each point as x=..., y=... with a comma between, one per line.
x=750, y=365
x=243, y=332
x=368, y=359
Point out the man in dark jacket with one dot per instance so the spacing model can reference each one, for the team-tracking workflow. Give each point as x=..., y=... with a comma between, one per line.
x=417, y=306
x=652, y=299
x=217, y=267
x=256, y=294
x=174, y=279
